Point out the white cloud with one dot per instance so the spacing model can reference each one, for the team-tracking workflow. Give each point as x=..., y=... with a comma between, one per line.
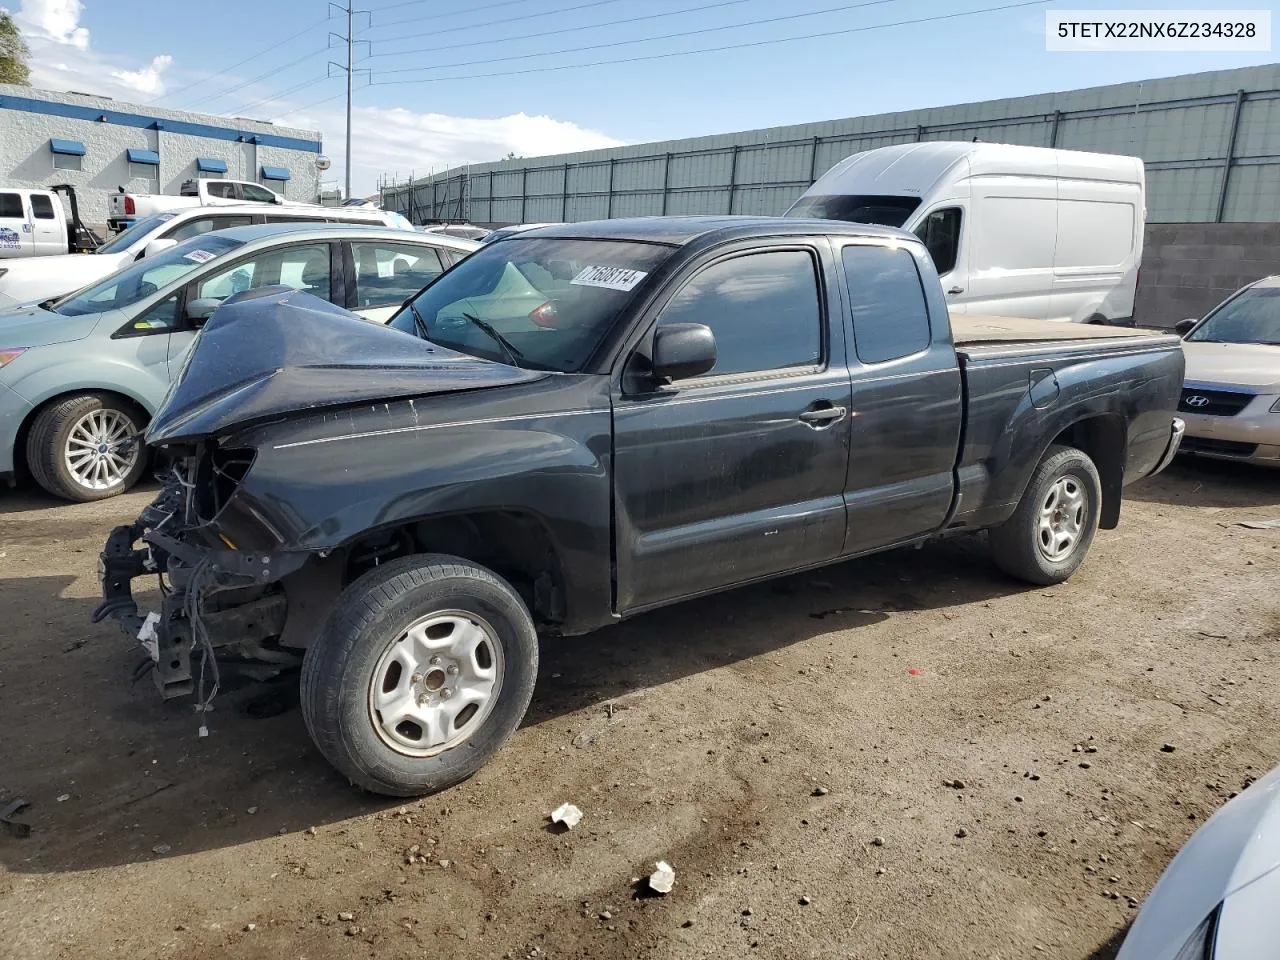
x=147, y=80
x=387, y=141
x=61, y=57
x=56, y=20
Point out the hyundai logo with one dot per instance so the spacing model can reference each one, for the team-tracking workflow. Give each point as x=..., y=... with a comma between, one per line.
x=1197, y=401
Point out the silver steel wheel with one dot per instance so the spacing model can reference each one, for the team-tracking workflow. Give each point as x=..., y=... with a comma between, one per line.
x=436, y=683
x=1063, y=513
x=93, y=452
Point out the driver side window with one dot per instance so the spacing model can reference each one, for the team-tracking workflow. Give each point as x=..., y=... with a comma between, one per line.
x=258, y=194
x=940, y=231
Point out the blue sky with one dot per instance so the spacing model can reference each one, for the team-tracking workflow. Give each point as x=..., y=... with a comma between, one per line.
x=443, y=87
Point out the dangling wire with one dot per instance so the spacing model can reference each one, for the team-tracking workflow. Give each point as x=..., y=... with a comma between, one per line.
x=193, y=607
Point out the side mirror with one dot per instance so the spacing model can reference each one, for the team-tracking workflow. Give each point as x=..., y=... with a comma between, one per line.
x=202, y=309
x=157, y=246
x=1183, y=327
x=683, y=350
x=277, y=199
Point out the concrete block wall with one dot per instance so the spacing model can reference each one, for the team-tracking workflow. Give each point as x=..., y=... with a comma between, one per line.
x=1188, y=268
x=30, y=118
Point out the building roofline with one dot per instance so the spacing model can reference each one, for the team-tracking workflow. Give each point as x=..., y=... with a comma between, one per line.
x=76, y=106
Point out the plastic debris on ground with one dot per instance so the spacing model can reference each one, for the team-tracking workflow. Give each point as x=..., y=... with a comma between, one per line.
x=663, y=877
x=567, y=814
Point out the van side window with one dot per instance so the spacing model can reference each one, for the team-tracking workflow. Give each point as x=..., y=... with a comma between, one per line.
x=890, y=319
x=940, y=232
x=762, y=307
x=11, y=206
x=42, y=207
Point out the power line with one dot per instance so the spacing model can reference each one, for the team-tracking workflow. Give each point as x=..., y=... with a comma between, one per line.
x=310, y=82
x=494, y=23
x=245, y=83
x=732, y=46
x=308, y=106
x=447, y=13
x=239, y=63
x=546, y=33
x=666, y=36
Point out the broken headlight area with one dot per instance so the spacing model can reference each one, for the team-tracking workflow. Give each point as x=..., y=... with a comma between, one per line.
x=219, y=601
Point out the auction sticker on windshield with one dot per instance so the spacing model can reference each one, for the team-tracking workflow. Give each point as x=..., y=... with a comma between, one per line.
x=200, y=256
x=611, y=278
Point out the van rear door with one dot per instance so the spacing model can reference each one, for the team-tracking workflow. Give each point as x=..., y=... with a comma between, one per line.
x=15, y=225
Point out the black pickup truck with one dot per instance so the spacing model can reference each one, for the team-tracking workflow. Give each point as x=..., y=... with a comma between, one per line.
x=583, y=422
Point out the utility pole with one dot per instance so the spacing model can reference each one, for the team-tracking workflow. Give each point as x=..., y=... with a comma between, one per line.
x=350, y=41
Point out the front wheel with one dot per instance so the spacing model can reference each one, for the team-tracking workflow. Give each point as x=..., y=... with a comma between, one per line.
x=424, y=670
x=86, y=447
x=1046, y=539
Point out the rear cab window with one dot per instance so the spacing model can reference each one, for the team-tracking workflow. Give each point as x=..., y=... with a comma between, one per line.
x=42, y=207
x=886, y=210
x=886, y=302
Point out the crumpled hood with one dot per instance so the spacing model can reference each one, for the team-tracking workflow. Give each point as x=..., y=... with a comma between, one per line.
x=32, y=326
x=1237, y=846
x=1255, y=365
x=279, y=351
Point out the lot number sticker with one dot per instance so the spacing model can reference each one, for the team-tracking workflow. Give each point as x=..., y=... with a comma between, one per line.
x=611, y=278
x=200, y=256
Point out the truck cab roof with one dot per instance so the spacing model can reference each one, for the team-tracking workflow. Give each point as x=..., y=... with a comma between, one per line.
x=683, y=231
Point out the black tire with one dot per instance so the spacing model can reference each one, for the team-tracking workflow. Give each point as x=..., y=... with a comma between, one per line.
x=50, y=433
x=1098, y=320
x=370, y=615
x=1016, y=545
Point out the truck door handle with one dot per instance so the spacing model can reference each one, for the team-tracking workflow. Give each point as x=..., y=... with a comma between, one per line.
x=954, y=290
x=823, y=415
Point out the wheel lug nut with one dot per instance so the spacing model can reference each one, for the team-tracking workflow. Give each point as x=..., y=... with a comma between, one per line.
x=452, y=670
x=434, y=661
x=445, y=693
x=416, y=678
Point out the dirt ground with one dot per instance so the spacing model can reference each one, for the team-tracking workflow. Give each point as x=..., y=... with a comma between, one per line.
x=786, y=747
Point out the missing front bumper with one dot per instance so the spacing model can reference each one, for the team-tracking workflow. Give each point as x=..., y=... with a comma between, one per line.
x=242, y=627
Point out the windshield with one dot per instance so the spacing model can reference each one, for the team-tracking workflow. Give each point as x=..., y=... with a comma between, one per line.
x=538, y=304
x=888, y=211
x=1252, y=317
x=123, y=240
x=139, y=280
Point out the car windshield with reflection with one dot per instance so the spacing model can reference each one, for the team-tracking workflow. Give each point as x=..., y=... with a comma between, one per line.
x=537, y=303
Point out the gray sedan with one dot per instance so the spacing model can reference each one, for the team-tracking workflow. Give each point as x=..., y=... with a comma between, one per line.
x=80, y=376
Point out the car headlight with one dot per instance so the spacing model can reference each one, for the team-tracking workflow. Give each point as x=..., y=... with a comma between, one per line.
x=8, y=356
x=1199, y=945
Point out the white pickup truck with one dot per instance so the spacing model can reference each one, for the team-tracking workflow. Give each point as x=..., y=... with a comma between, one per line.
x=124, y=209
x=34, y=223
x=39, y=278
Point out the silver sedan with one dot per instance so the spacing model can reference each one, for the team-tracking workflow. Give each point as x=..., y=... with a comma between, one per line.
x=1231, y=393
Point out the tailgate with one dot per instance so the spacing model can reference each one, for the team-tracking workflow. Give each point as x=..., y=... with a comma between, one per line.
x=115, y=204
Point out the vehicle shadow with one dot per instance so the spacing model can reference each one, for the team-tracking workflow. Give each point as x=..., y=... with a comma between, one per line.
x=1198, y=482
x=116, y=776
x=1108, y=949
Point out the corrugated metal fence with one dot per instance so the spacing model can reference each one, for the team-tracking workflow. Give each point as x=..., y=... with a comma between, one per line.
x=1210, y=141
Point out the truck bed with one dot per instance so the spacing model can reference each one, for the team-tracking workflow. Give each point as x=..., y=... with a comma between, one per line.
x=973, y=330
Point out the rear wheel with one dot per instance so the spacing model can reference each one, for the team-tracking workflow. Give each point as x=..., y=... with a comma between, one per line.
x=423, y=672
x=1046, y=539
x=86, y=447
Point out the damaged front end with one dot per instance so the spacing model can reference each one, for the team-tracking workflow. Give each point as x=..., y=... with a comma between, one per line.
x=216, y=602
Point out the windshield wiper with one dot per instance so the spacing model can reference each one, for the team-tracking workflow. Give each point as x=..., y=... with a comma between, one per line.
x=509, y=349
x=419, y=325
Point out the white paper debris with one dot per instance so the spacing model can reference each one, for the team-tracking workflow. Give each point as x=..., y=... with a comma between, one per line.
x=567, y=814
x=147, y=636
x=663, y=877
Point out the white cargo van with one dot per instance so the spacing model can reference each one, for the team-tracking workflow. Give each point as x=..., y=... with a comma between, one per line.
x=1014, y=231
